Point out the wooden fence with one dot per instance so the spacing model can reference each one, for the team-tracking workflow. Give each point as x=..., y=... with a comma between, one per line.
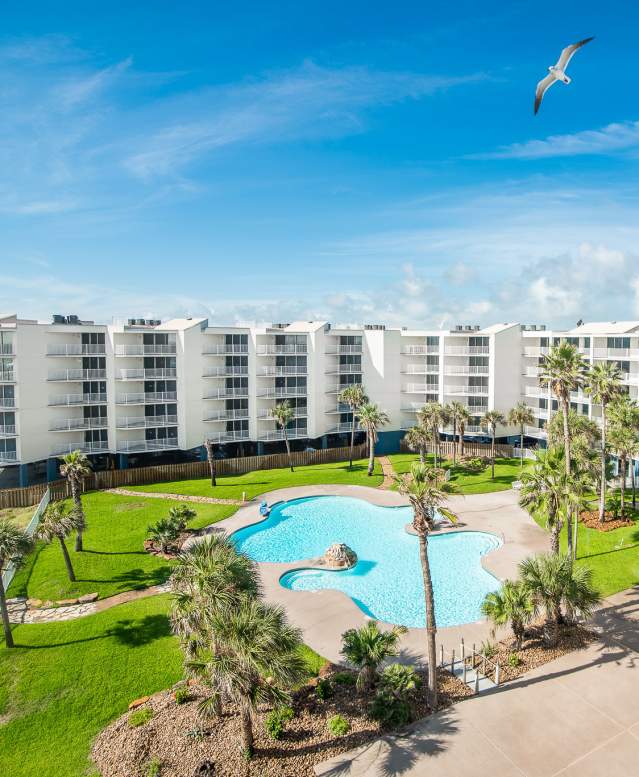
x=138, y=476
x=470, y=449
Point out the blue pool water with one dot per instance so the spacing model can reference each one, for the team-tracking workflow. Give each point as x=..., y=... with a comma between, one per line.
x=386, y=583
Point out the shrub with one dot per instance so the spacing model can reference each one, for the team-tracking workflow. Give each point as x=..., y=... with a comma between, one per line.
x=338, y=726
x=140, y=717
x=196, y=733
x=344, y=678
x=154, y=767
x=474, y=465
x=164, y=532
x=182, y=695
x=390, y=711
x=488, y=649
x=181, y=515
x=392, y=705
x=514, y=660
x=275, y=722
x=323, y=689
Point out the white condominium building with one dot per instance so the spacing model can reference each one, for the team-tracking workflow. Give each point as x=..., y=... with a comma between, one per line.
x=147, y=391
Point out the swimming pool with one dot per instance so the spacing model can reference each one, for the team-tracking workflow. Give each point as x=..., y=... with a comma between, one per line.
x=386, y=583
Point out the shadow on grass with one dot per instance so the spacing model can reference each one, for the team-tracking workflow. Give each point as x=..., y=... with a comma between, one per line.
x=134, y=579
x=115, y=552
x=20, y=584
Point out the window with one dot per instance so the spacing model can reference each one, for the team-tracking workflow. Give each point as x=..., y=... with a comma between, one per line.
x=6, y=342
x=355, y=360
x=478, y=361
x=7, y=396
x=92, y=338
x=478, y=341
x=238, y=426
x=432, y=340
x=586, y=342
x=618, y=342
x=355, y=340
x=573, y=341
x=432, y=361
x=350, y=380
x=543, y=342
x=94, y=387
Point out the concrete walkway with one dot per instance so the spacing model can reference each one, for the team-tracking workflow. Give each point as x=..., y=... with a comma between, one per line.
x=575, y=717
x=208, y=500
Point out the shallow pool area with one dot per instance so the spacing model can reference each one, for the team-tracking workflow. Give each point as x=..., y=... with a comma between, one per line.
x=386, y=583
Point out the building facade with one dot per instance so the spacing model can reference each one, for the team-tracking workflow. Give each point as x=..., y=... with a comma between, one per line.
x=146, y=391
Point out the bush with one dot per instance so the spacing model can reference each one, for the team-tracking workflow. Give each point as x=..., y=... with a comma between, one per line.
x=338, y=726
x=390, y=711
x=182, y=695
x=344, y=678
x=323, y=689
x=140, y=717
x=474, y=465
x=392, y=705
x=275, y=722
x=488, y=649
x=514, y=660
x=154, y=767
x=164, y=532
x=196, y=733
x=181, y=515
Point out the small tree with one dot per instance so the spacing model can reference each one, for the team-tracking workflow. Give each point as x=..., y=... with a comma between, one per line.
x=283, y=414
x=511, y=604
x=354, y=396
x=14, y=546
x=368, y=647
x=624, y=439
x=210, y=457
x=490, y=421
x=371, y=418
x=543, y=490
x=75, y=467
x=58, y=523
x=463, y=419
x=457, y=413
x=416, y=439
x=521, y=416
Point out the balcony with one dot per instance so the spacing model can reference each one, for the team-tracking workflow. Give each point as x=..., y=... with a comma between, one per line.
x=7, y=376
x=466, y=369
x=532, y=372
x=8, y=430
x=616, y=353
x=420, y=350
x=534, y=431
x=264, y=414
x=537, y=352
x=146, y=350
x=421, y=369
x=281, y=350
x=76, y=349
x=146, y=398
x=540, y=412
x=235, y=435
x=343, y=427
x=146, y=446
x=281, y=371
x=536, y=391
x=465, y=390
x=75, y=376
x=345, y=369
x=467, y=350
x=83, y=447
x=343, y=350
x=224, y=349
x=146, y=422
x=8, y=403
x=236, y=392
x=420, y=388
x=227, y=371
x=78, y=399
x=474, y=429
x=240, y=414
x=278, y=434
x=154, y=373
x=78, y=424
x=7, y=349
x=339, y=408
x=9, y=457
x=412, y=407
x=280, y=392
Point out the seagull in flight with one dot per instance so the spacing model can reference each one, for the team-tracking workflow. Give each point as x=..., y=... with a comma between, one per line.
x=558, y=71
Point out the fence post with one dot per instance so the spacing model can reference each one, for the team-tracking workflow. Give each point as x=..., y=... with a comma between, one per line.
x=441, y=655
x=464, y=671
x=476, y=681
x=462, y=649
x=452, y=663
x=497, y=673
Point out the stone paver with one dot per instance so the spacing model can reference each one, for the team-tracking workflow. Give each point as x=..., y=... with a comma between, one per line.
x=208, y=500
x=388, y=471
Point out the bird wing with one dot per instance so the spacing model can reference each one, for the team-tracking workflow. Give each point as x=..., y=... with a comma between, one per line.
x=568, y=53
x=542, y=87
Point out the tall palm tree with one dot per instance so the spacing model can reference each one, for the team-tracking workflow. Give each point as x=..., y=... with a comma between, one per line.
x=428, y=492
x=417, y=439
x=463, y=419
x=624, y=440
x=490, y=421
x=283, y=414
x=513, y=604
x=563, y=370
x=75, y=467
x=543, y=490
x=368, y=647
x=58, y=523
x=371, y=417
x=603, y=383
x=432, y=417
x=14, y=546
x=354, y=396
x=457, y=412
x=210, y=456
x=256, y=660
x=521, y=415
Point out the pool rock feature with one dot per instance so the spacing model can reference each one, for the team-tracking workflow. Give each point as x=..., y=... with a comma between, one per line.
x=340, y=556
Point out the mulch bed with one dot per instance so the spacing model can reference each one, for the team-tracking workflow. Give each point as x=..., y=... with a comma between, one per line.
x=173, y=549
x=591, y=520
x=182, y=741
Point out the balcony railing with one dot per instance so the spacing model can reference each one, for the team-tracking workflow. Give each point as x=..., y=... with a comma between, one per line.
x=84, y=447
x=465, y=390
x=535, y=391
x=278, y=434
x=76, y=349
x=466, y=369
x=467, y=350
x=419, y=350
x=8, y=457
x=146, y=446
x=7, y=376
x=540, y=412
x=345, y=369
x=236, y=435
x=420, y=388
x=421, y=369
x=227, y=371
x=343, y=350
x=152, y=373
x=8, y=402
x=616, y=353
x=281, y=391
x=239, y=414
x=8, y=430
x=343, y=427
x=78, y=399
x=146, y=350
x=225, y=348
x=537, y=351
x=7, y=349
x=73, y=376
x=532, y=372
x=412, y=407
x=148, y=397
x=275, y=350
x=339, y=408
x=534, y=431
x=264, y=413
x=78, y=424
x=146, y=422
x=239, y=392
x=281, y=371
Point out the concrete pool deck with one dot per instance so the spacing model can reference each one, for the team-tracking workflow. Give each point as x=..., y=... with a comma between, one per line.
x=324, y=615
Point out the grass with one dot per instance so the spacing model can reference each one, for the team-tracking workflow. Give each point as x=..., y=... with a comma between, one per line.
x=506, y=471
x=113, y=559
x=261, y=481
x=20, y=515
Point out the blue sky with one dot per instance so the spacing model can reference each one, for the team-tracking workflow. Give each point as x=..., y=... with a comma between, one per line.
x=356, y=162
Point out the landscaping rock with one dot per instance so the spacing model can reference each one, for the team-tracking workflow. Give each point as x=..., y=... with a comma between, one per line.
x=87, y=598
x=339, y=555
x=205, y=769
x=66, y=602
x=138, y=702
x=33, y=604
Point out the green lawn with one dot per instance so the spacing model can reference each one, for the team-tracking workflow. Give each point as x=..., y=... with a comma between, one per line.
x=20, y=515
x=261, y=481
x=113, y=559
x=506, y=471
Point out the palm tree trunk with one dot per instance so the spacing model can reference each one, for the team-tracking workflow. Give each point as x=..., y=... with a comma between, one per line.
x=67, y=560
x=492, y=456
x=624, y=472
x=371, y=454
x=8, y=636
x=569, y=529
x=554, y=538
x=350, y=453
x=431, y=623
x=454, y=441
x=288, y=448
x=212, y=467
x=521, y=448
x=247, y=732
x=632, y=479
x=77, y=501
x=602, y=486
x=462, y=428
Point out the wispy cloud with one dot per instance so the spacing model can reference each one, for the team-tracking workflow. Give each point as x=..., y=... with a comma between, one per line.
x=612, y=139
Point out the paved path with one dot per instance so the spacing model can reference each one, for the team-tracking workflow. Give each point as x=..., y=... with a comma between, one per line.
x=575, y=717
x=209, y=500
x=389, y=473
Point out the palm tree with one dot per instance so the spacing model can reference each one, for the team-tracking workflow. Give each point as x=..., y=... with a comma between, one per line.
x=368, y=647
x=490, y=421
x=416, y=439
x=463, y=419
x=14, y=546
x=371, y=418
x=427, y=491
x=557, y=585
x=181, y=515
x=353, y=396
x=457, y=413
x=58, y=523
x=256, y=660
x=521, y=415
x=543, y=490
x=75, y=467
x=210, y=456
x=432, y=417
x=624, y=440
x=283, y=414
x=511, y=604
x=603, y=383
x=563, y=370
